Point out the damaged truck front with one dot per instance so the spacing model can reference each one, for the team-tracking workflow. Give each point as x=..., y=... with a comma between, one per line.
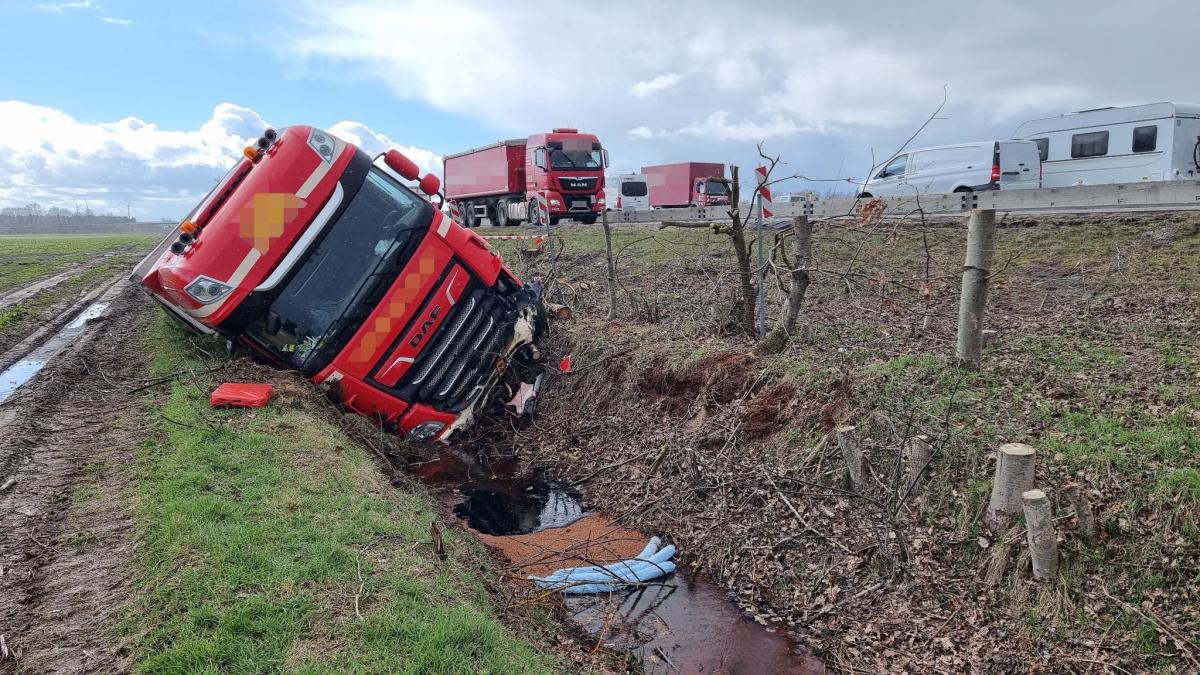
x=318, y=258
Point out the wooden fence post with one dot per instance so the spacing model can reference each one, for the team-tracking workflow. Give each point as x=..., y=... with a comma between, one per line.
x=612, y=266
x=1043, y=541
x=1014, y=475
x=981, y=228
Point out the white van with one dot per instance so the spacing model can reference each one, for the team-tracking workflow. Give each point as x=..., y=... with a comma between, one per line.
x=965, y=167
x=1152, y=142
x=626, y=192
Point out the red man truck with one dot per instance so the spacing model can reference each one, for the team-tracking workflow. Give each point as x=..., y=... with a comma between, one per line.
x=687, y=184
x=501, y=181
x=318, y=258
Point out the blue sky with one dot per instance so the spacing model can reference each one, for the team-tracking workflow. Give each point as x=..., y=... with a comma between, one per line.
x=828, y=86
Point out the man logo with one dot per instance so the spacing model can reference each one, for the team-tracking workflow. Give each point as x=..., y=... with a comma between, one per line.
x=425, y=326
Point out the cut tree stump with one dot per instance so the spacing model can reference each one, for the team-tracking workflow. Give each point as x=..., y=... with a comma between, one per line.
x=1084, y=516
x=1043, y=540
x=917, y=454
x=852, y=453
x=1014, y=475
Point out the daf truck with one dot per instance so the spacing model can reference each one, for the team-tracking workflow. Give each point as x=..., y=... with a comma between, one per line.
x=317, y=257
x=687, y=184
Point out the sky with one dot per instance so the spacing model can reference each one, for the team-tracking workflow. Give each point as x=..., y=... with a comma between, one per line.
x=138, y=105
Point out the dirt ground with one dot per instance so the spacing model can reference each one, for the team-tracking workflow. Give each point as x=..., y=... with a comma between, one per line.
x=65, y=521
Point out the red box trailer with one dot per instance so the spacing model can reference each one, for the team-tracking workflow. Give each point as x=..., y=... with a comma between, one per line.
x=686, y=184
x=494, y=169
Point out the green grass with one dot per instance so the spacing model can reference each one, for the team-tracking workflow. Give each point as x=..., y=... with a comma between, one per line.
x=255, y=528
x=26, y=258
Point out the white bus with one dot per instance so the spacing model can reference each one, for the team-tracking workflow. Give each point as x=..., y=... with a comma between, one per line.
x=1152, y=142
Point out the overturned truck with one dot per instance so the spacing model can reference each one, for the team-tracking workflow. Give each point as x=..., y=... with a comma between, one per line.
x=319, y=258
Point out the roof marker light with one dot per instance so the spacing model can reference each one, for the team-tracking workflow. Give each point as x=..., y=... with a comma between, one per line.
x=251, y=153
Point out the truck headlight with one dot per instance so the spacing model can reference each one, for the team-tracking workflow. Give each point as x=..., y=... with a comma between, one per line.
x=207, y=291
x=426, y=430
x=555, y=202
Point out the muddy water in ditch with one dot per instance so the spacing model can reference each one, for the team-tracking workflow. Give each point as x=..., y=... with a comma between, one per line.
x=18, y=374
x=682, y=623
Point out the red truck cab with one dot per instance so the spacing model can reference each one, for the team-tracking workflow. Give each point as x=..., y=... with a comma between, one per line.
x=569, y=168
x=319, y=258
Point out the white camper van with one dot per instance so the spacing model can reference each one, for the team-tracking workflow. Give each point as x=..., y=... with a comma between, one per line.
x=1157, y=141
x=965, y=167
x=626, y=192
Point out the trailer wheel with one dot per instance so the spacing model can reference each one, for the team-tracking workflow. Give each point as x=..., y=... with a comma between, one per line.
x=469, y=217
x=502, y=214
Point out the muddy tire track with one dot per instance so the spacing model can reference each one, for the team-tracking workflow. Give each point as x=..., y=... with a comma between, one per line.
x=68, y=440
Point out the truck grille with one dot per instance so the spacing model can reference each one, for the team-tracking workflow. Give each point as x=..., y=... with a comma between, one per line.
x=455, y=367
x=581, y=184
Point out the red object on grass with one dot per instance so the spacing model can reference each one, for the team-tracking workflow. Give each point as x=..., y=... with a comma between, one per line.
x=565, y=364
x=239, y=395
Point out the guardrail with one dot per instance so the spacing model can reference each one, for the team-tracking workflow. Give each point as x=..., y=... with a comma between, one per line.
x=1143, y=196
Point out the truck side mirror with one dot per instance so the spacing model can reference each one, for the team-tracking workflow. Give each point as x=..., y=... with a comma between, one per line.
x=604, y=157
x=430, y=184
x=401, y=164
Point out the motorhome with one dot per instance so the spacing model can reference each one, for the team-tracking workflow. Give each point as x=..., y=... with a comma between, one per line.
x=627, y=192
x=965, y=167
x=1152, y=142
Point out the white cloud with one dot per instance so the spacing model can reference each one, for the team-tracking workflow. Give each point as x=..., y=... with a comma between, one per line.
x=48, y=156
x=61, y=7
x=373, y=143
x=644, y=88
x=116, y=21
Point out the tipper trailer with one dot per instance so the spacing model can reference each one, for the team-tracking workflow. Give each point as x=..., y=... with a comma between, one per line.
x=318, y=258
x=687, y=184
x=502, y=181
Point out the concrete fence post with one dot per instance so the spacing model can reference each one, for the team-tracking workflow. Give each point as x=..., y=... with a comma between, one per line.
x=981, y=229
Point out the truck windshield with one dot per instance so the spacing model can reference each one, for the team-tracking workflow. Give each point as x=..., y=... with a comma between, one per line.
x=574, y=159
x=714, y=187
x=343, y=276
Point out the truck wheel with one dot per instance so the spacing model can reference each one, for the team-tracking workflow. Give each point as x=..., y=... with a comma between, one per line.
x=501, y=214
x=554, y=220
x=469, y=217
x=588, y=220
x=533, y=212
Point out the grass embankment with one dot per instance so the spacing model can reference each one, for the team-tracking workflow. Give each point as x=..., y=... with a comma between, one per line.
x=269, y=542
x=1094, y=365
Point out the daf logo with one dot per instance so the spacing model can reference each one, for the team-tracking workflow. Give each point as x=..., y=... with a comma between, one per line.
x=425, y=326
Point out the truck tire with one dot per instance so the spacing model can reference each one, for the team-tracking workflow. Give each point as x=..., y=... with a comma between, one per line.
x=554, y=220
x=469, y=218
x=501, y=209
x=533, y=212
x=588, y=220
